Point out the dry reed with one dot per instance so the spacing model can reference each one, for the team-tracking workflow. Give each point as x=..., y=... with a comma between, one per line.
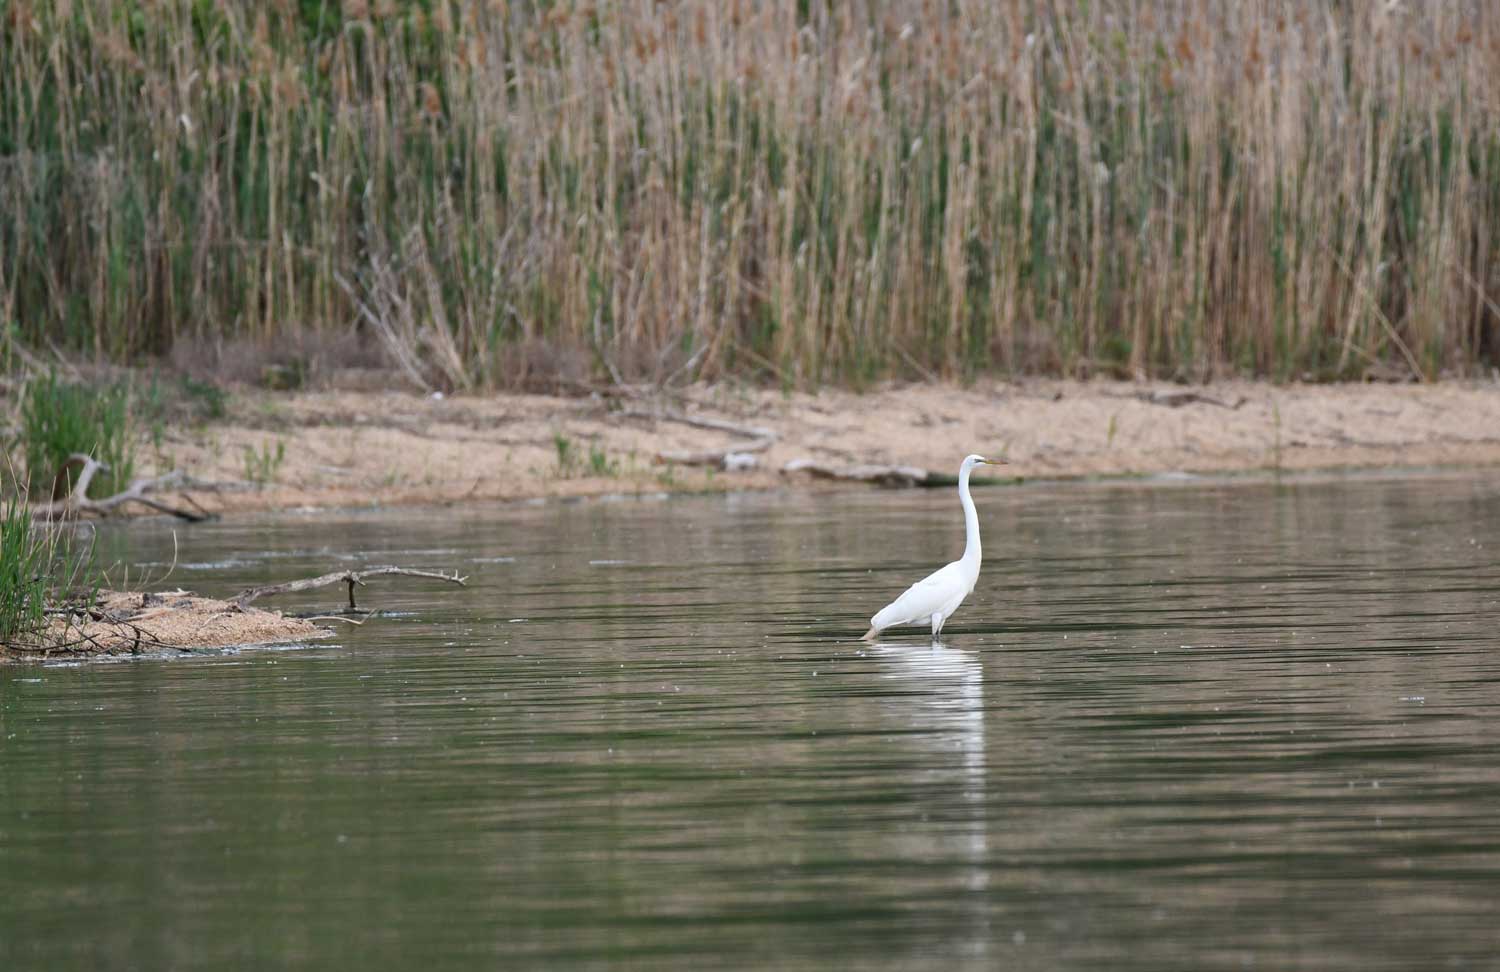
x=806, y=190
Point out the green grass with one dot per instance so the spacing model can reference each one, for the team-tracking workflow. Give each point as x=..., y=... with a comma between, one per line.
x=799, y=193
x=571, y=462
x=600, y=464
x=263, y=465
x=567, y=455
x=40, y=567
x=58, y=419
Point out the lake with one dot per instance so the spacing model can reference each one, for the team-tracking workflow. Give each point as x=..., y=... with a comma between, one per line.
x=1207, y=725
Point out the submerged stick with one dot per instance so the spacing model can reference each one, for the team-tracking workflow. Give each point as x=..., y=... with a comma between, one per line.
x=352, y=578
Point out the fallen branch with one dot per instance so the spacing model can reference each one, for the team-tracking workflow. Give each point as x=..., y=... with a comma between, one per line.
x=895, y=476
x=700, y=422
x=351, y=577
x=1177, y=399
x=731, y=459
x=77, y=501
x=613, y=390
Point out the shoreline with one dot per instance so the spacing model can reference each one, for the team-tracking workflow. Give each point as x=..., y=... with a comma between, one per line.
x=348, y=451
x=321, y=450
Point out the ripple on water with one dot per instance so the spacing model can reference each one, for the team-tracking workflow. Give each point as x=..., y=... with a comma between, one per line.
x=1200, y=726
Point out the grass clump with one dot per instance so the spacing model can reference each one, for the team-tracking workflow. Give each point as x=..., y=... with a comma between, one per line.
x=572, y=462
x=263, y=465
x=600, y=464
x=40, y=567
x=58, y=419
x=567, y=455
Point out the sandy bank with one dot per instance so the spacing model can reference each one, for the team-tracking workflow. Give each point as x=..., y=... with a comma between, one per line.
x=353, y=449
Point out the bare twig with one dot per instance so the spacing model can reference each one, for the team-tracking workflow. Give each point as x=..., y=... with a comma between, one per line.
x=352, y=578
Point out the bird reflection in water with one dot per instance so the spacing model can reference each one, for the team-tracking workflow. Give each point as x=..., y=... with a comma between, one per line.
x=944, y=701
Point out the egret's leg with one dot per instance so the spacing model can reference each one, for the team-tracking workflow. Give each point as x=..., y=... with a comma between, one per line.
x=937, y=626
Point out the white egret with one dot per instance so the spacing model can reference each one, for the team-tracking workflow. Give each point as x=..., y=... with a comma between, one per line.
x=934, y=598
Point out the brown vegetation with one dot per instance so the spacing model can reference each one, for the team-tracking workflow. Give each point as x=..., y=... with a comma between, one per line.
x=522, y=195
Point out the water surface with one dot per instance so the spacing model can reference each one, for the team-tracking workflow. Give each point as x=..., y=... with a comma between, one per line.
x=1212, y=725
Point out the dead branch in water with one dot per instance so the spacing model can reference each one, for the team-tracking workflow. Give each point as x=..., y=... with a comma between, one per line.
x=326, y=617
x=77, y=501
x=351, y=577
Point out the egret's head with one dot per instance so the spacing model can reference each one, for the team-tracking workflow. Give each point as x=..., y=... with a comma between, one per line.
x=971, y=461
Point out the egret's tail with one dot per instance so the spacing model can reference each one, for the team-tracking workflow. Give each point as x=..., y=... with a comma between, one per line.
x=871, y=635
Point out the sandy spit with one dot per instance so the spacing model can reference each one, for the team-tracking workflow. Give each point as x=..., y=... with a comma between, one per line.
x=343, y=449
x=137, y=623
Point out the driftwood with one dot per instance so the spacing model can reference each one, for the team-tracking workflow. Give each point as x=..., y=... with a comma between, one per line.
x=894, y=477
x=737, y=457
x=1177, y=399
x=77, y=501
x=700, y=422
x=897, y=476
x=351, y=577
x=730, y=459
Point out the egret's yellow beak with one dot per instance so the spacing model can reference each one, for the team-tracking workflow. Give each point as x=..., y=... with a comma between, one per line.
x=995, y=462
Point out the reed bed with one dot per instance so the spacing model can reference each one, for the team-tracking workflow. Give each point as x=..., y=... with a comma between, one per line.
x=506, y=193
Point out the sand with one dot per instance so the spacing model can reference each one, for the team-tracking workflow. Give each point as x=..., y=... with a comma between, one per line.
x=346, y=449
x=136, y=623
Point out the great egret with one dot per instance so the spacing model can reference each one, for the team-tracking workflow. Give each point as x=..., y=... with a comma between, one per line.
x=934, y=598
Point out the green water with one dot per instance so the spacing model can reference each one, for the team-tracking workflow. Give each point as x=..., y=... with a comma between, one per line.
x=1193, y=726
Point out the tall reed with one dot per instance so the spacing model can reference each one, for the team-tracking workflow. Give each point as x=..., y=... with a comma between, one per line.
x=809, y=190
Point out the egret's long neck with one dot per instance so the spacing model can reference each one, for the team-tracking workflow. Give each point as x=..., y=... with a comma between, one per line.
x=972, y=552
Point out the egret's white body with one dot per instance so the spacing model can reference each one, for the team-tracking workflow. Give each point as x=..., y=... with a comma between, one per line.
x=933, y=599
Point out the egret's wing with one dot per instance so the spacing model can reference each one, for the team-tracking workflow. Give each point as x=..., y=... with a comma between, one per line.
x=923, y=599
